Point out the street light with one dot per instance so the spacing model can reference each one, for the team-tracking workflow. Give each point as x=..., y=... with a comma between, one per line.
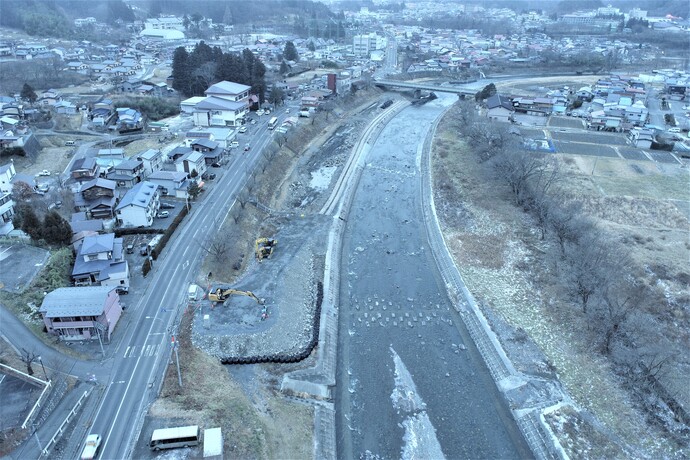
x=43, y=367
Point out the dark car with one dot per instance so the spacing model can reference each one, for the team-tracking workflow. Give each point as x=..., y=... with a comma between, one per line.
x=215, y=165
x=167, y=206
x=211, y=176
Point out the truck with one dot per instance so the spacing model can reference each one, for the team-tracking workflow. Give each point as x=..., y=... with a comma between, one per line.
x=147, y=249
x=93, y=442
x=305, y=113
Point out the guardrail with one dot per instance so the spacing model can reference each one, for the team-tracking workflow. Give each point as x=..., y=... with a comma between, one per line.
x=63, y=425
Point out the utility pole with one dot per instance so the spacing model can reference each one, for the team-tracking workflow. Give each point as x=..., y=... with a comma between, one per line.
x=43, y=367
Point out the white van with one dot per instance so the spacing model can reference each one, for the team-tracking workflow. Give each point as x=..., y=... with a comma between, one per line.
x=194, y=292
x=674, y=130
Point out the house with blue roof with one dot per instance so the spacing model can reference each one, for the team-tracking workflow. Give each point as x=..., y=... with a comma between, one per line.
x=138, y=206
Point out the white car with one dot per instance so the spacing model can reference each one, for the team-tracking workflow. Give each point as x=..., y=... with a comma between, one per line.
x=259, y=112
x=234, y=144
x=93, y=442
x=243, y=129
x=45, y=172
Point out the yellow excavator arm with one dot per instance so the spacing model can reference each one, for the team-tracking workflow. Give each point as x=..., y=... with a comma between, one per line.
x=221, y=295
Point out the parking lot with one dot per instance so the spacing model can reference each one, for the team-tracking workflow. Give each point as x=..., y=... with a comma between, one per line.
x=16, y=399
x=19, y=263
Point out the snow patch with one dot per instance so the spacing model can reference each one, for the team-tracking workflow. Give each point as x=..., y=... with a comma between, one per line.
x=321, y=178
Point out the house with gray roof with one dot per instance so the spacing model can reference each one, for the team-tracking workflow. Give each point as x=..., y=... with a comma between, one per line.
x=97, y=198
x=499, y=108
x=81, y=313
x=100, y=261
x=84, y=169
x=171, y=183
x=139, y=205
x=191, y=161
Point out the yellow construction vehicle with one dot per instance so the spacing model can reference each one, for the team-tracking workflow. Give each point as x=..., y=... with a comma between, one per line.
x=221, y=295
x=263, y=248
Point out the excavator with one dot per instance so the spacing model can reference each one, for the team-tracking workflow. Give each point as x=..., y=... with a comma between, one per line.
x=263, y=248
x=222, y=294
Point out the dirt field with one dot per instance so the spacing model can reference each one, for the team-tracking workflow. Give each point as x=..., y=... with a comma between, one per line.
x=500, y=255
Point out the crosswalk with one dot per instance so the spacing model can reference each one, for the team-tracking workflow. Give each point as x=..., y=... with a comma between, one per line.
x=144, y=351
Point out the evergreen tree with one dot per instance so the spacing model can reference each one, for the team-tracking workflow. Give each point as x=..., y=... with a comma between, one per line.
x=284, y=68
x=56, y=230
x=28, y=222
x=290, y=52
x=28, y=93
x=181, y=71
x=311, y=47
x=193, y=190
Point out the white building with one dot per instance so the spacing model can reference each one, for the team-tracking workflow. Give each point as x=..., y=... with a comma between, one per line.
x=6, y=213
x=226, y=104
x=7, y=172
x=362, y=45
x=139, y=205
x=152, y=160
x=191, y=161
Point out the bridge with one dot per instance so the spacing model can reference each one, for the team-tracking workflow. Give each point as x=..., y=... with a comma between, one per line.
x=425, y=86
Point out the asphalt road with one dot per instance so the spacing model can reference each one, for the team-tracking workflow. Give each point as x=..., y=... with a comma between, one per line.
x=135, y=362
x=410, y=382
x=139, y=362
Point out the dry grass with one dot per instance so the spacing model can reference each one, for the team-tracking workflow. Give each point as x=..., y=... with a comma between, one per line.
x=273, y=428
x=500, y=257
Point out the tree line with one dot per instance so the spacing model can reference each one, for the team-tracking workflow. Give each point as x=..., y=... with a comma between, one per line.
x=595, y=271
x=53, y=228
x=194, y=72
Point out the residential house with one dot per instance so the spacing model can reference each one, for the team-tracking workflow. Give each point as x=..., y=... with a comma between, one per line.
x=49, y=97
x=192, y=161
x=177, y=153
x=152, y=160
x=7, y=173
x=170, y=183
x=97, y=198
x=6, y=212
x=211, y=150
x=138, y=206
x=82, y=313
x=100, y=261
x=641, y=138
x=127, y=173
x=499, y=108
x=84, y=169
x=65, y=107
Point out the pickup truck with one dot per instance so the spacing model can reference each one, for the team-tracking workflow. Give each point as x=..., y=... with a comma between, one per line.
x=93, y=442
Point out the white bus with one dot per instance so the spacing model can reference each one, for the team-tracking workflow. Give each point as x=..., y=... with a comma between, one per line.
x=170, y=438
x=273, y=122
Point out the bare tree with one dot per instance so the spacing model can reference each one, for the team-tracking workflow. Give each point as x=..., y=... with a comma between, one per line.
x=28, y=358
x=593, y=261
x=243, y=198
x=619, y=301
x=567, y=223
x=236, y=215
x=518, y=169
x=218, y=248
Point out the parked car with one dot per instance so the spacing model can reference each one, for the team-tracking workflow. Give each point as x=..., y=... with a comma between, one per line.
x=246, y=147
x=211, y=176
x=45, y=172
x=243, y=129
x=163, y=214
x=253, y=122
x=215, y=165
x=287, y=110
x=234, y=144
x=167, y=206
